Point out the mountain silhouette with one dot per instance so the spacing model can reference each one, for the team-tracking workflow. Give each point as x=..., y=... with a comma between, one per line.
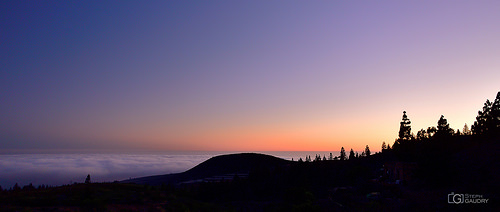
x=231, y=164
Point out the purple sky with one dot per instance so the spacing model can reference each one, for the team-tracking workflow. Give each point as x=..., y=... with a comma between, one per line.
x=233, y=75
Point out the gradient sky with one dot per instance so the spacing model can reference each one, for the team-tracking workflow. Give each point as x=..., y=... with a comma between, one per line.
x=240, y=75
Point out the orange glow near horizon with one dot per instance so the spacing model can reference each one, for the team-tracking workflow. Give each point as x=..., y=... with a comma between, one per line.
x=324, y=136
x=355, y=128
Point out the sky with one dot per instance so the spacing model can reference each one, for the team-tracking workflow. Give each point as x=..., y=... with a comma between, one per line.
x=240, y=75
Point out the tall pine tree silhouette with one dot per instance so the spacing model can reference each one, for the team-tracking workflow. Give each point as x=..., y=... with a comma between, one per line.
x=405, y=128
x=342, y=154
x=466, y=130
x=404, y=131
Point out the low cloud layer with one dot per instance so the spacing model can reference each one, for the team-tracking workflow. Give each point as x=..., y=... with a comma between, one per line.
x=57, y=169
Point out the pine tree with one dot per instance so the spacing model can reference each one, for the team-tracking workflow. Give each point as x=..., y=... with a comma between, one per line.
x=351, y=154
x=87, y=180
x=317, y=158
x=367, y=151
x=443, y=128
x=495, y=116
x=431, y=131
x=483, y=119
x=466, y=130
x=405, y=128
x=421, y=134
x=342, y=154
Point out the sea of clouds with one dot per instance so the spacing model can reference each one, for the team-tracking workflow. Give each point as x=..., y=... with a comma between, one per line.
x=59, y=169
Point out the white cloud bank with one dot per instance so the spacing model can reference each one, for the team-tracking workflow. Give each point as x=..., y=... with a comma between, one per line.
x=58, y=169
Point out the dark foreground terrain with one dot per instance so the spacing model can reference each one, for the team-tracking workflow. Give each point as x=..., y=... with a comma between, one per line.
x=256, y=182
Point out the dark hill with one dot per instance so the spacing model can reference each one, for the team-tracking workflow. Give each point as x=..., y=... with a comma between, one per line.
x=218, y=165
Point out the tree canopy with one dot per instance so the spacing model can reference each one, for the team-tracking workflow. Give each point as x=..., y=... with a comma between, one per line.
x=443, y=128
x=488, y=120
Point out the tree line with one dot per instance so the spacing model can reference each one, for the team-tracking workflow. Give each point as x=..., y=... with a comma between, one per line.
x=487, y=124
x=352, y=155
